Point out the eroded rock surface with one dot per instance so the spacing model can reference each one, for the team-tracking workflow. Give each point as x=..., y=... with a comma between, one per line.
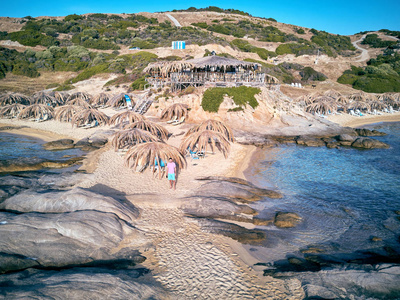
x=59, y=144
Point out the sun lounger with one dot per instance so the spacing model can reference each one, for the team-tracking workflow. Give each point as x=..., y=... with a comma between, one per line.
x=174, y=119
x=91, y=125
x=179, y=122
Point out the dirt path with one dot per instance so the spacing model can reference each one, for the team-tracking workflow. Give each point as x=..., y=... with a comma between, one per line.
x=364, y=55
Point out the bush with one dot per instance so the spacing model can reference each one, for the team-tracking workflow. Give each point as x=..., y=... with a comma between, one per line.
x=309, y=74
x=73, y=17
x=100, y=44
x=32, y=38
x=213, y=97
x=374, y=41
x=25, y=69
x=86, y=74
x=139, y=83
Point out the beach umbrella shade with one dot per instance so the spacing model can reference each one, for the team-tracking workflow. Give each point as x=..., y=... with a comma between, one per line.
x=154, y=128
x=360, y=105
x=60, y=96
x=213, y=125
x=146, y=154
x=359, y=97
x=390, y=100
x=119, y=100
x=11, y=110
x=304, y=100
x=126, y=116
x=332, y=93
x=178, y=109
x=127, y=138
x=202, y=140
x=99, y=100
x=79, y=95
x=322, y=105
x=343, y=99
x=377, y=104
x=88, y=115
x=45, y=98
x=37, y=111
x=11, y=98
x=78, y=102
x=65, y=113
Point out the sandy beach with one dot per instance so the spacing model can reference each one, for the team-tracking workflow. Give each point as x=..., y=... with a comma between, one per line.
x=187, y=261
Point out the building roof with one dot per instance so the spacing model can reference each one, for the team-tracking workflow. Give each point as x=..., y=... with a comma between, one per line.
x=218, y=61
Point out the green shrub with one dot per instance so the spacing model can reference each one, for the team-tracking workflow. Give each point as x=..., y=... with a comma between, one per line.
x=203, y=25
x=374, y=41
x=32, y=38
x=64, y=87
x=25, y=69
x=374, y=84
x=263, y=53
x=73, y=17
x=139, y=83
x=347, y=79
x=86, y=74
x=213, y=97
x=100, y=44
x=309, y=74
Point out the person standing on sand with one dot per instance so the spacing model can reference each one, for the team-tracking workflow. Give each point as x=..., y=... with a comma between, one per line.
x=171, y=169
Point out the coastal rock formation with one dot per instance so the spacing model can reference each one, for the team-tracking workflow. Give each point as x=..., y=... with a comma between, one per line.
x=286, y=219
x=77, y=199
x=367, y=132
x=62, y=144
x=235, y=188
x=79, y=283
x=367, y=143
x=34, y=163
x=67, y=239
x=310, y=141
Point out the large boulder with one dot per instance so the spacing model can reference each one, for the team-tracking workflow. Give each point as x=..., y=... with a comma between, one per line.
x=310, y=141
x=67, y=239
x=367, y=132
x=367, y=143
x=59, y=144
x=79, y=283
x=76, y=199
x=234, y=188
x=286, y=219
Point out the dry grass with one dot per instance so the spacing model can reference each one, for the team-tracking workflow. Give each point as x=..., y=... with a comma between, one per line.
x=26, y=85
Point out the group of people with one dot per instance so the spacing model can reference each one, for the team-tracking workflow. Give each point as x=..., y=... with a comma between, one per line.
x=171, y=171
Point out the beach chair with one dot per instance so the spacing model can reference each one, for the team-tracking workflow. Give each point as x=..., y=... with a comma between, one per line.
x=192, y=154
x=179, y=122
x=159, y=169
x=91, y=125
x=174, y=119
x=352, y=113
x=391, y=110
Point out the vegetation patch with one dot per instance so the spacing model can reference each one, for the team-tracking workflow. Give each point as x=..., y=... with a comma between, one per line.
x=375, y=42
x=213, y=97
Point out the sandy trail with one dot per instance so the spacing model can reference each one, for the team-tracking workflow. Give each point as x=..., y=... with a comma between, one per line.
x=364, y=54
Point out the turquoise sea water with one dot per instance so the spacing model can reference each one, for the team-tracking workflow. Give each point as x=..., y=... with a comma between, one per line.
x=345, y=196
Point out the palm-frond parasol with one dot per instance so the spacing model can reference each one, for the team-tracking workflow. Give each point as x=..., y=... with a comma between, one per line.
x=213, y=125
x=127, y=138
x=390, y=100
x=332, y=93
x=201, y=140
x=88, y=115
x=119, y=100
x=37, y=111
x=78, y=102
x=146, y=154
x=79, y=95
x=126, y=116
x=305, y=99
x=177, y=109
x=11, y=110
x=11, y=98
x=99, y=100
x=154, y=128
x=361, y=105
x=65, y=113
x=60, y=96
x=377, y=104
x=322, y=105
x=45, y=98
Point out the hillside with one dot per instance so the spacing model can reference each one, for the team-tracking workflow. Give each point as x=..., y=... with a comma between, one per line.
x=93, y=44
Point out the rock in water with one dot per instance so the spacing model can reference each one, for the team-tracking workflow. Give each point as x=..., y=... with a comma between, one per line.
x=67, y=239
x=76, y=199
x=368, y=143
x=59, y=144
x=286, y=219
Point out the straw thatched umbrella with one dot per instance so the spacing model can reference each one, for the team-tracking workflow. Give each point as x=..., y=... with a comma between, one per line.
x=213, y=125
x=99, y=100
x=377, y=104
x=343, y=99
x=201, y=140
x=360, y=105
x=154, y=128
x=271, y=79
x=78, y=102
x=89, y=115
x=79, y=95
x=60, y=96
x=45, y=98
x=126, y=116
x=11, y=98
x=11, y=110
x=119, y=100
x=37, y=111
x=178, y=109
x=127, y=138
x=65, y=113
x=146, y=154
x=305, y=100
x=389, y=99
x=332, y=93
x=322, y=105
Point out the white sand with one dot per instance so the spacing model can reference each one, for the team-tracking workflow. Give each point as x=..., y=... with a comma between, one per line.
x=356, y=121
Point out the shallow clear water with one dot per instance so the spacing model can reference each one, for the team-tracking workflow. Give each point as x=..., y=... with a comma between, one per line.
x=345, y=196
x=15, y=147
